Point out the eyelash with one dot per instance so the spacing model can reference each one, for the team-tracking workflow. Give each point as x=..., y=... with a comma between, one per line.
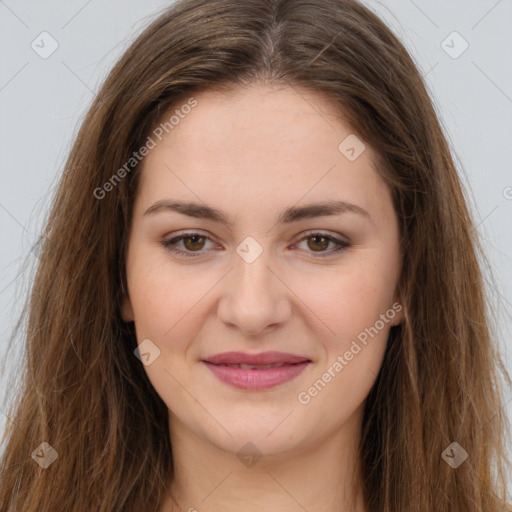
x=168, y=244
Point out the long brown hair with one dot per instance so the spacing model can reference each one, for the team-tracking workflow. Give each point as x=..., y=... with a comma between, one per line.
x=85, y=393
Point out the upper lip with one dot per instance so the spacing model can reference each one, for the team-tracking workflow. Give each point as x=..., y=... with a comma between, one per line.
x=255, y=359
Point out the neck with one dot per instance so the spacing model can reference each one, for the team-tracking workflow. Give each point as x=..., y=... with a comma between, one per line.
x=321, y=476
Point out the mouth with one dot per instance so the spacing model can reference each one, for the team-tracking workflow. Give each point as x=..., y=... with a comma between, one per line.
x=255, y=372
x=261, y=359
x=257, y=366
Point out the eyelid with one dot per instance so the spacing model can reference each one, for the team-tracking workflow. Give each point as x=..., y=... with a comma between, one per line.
x=327, y=234
x=189, y=232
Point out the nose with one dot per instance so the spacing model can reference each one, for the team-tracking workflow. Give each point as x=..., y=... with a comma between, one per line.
x=254, y=300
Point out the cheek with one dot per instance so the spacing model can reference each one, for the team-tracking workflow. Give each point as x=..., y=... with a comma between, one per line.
x=167, y=304
x=163, y=295
x=349, y=299
x=353, y=307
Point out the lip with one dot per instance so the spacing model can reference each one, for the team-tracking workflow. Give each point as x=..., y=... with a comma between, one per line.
x=256, y=379
x=261, y=358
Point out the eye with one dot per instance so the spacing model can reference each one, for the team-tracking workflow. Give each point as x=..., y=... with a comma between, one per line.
x=318, y=243
x=193, y=244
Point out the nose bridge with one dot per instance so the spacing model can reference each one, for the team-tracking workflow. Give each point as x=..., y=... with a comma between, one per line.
x=252, y=261
x=253, y=280
x=254, y=298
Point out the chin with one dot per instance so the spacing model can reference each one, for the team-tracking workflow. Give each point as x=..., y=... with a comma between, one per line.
x=257, y=439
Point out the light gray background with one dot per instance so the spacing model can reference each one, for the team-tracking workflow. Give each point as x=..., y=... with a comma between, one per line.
x=43, y=100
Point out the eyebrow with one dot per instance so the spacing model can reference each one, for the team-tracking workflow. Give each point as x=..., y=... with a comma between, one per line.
x=287, y=216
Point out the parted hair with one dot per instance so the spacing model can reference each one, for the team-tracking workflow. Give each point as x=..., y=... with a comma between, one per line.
x=82, y=390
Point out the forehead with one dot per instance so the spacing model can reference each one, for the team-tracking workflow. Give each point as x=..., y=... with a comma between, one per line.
x=260, y=143
x=263, y=120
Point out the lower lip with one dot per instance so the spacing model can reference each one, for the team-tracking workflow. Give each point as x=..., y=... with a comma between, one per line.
x=256, y=379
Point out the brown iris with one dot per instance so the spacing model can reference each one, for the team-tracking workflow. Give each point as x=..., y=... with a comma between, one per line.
x=194, y=245
x=318, y=237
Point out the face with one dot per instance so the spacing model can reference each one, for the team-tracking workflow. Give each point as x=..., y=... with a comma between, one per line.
x=261, y=264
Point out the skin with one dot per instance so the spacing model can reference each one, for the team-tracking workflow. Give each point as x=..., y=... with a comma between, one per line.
x=252, y=155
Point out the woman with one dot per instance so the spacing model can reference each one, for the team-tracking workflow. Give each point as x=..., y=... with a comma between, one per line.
x=259, y=286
